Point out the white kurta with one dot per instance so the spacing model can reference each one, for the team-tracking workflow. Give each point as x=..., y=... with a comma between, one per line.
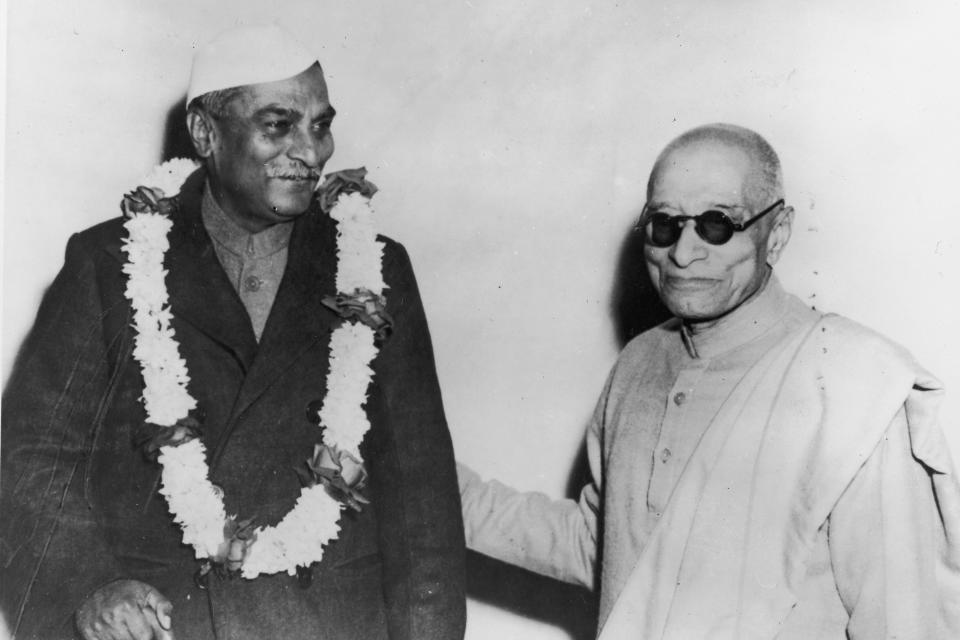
x=758, y=480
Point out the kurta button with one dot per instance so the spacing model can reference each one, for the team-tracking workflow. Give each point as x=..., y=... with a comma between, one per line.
x=680, y=398
x=665, y=455
x=252, y=283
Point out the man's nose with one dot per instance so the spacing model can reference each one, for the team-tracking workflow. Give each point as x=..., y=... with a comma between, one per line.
x=310, y=150
x=689, y=247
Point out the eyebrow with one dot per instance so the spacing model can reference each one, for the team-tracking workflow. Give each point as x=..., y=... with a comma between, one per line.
x=283, y=112
x=654, y=205
x=277, y=110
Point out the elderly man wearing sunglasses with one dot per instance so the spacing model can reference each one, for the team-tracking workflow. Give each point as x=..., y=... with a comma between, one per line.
x=760, y=469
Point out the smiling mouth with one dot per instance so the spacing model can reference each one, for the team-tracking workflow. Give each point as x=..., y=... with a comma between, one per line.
x=689, y=284
x=298, y=182
x=298, y=178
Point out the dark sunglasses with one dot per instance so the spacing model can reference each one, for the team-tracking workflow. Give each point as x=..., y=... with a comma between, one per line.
x=715, y=227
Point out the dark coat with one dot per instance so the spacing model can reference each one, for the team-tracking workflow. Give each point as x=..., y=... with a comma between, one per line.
x=80, y=502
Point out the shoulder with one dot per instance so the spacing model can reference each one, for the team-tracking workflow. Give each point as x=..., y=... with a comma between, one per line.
x=397, y=267
x=840, y=340
x=393, y=251
x=647, y=354
x=104, y=232
x=846, y=363
x=109, y=234
x=105, y=238
x=652, y=340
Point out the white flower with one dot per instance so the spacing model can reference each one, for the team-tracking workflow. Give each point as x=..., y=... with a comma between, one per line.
x=298, y=539
x=359, y=253
x=193, y=500
x=352, y=349
x=169, y=176
x=195, y=503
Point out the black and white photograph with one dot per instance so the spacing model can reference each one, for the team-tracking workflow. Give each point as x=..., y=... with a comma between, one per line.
x=444, y=320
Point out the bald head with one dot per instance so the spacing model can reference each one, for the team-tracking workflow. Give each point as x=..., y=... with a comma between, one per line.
x=764, y=177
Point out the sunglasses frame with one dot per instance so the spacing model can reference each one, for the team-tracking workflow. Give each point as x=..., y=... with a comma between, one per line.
x=678, y=222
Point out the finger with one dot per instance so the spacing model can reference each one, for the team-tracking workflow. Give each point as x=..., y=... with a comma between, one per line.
x=111, y=624
x=92, y=632
x=162, y=609
x=157, y=632
x=137, y=626
x=107, y=625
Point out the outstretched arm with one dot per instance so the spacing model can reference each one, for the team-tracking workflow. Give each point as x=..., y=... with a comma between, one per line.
x=556, y=538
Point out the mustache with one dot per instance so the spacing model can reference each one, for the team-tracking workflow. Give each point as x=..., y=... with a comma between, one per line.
x=292, y=173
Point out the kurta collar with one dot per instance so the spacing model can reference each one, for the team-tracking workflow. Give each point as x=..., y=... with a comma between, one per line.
x=745, y=324
x=229, y=235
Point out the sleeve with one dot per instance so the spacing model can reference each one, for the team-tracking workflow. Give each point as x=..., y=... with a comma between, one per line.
x=52, y=552
x=893, y=546
x=556, y=538
x=421, y=532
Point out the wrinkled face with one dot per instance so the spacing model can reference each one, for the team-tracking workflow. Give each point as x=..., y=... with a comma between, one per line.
x=267, y=155
x=701, y=282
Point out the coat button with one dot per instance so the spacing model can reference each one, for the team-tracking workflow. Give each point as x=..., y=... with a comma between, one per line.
x=665, y=455
x=252, y=283
x=680, y=398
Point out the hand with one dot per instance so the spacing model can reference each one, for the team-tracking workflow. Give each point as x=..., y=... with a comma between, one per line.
x=125, y=610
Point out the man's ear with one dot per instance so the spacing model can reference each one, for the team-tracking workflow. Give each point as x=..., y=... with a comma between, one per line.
x=203, y=132
x=779, y=235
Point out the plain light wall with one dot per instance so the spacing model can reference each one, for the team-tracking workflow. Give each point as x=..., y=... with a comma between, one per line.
x=511, y=141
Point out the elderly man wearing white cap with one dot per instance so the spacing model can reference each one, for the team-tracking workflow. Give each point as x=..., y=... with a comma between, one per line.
x=226, y=422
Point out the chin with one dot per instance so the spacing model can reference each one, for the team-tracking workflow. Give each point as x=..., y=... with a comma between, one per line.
x=291, y=207
x=695, y=310
x=291, y=198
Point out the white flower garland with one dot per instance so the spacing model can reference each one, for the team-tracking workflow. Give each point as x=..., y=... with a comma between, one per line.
x=196, y=503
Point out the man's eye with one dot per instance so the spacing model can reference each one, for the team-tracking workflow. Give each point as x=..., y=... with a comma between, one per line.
x=322, y=128
x=277, y=125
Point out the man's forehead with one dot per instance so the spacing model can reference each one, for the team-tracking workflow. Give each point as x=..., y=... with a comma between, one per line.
x=714, y=172
x=306, y=91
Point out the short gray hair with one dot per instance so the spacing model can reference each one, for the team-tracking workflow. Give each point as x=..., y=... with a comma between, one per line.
x=770, y=183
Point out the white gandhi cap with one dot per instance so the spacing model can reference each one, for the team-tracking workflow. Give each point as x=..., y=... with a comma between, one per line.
x=247, y=55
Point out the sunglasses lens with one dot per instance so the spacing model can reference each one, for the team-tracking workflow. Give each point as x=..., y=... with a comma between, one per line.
x=662, y=230
x=714, y=227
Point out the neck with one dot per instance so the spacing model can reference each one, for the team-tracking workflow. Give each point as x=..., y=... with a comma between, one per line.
x=252, y=224
x=250, y=227
x=213, y=197
x=249, y=224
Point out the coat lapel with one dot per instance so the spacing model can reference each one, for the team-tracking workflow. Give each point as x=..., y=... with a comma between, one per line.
x=298, y=318
x=200, y=292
